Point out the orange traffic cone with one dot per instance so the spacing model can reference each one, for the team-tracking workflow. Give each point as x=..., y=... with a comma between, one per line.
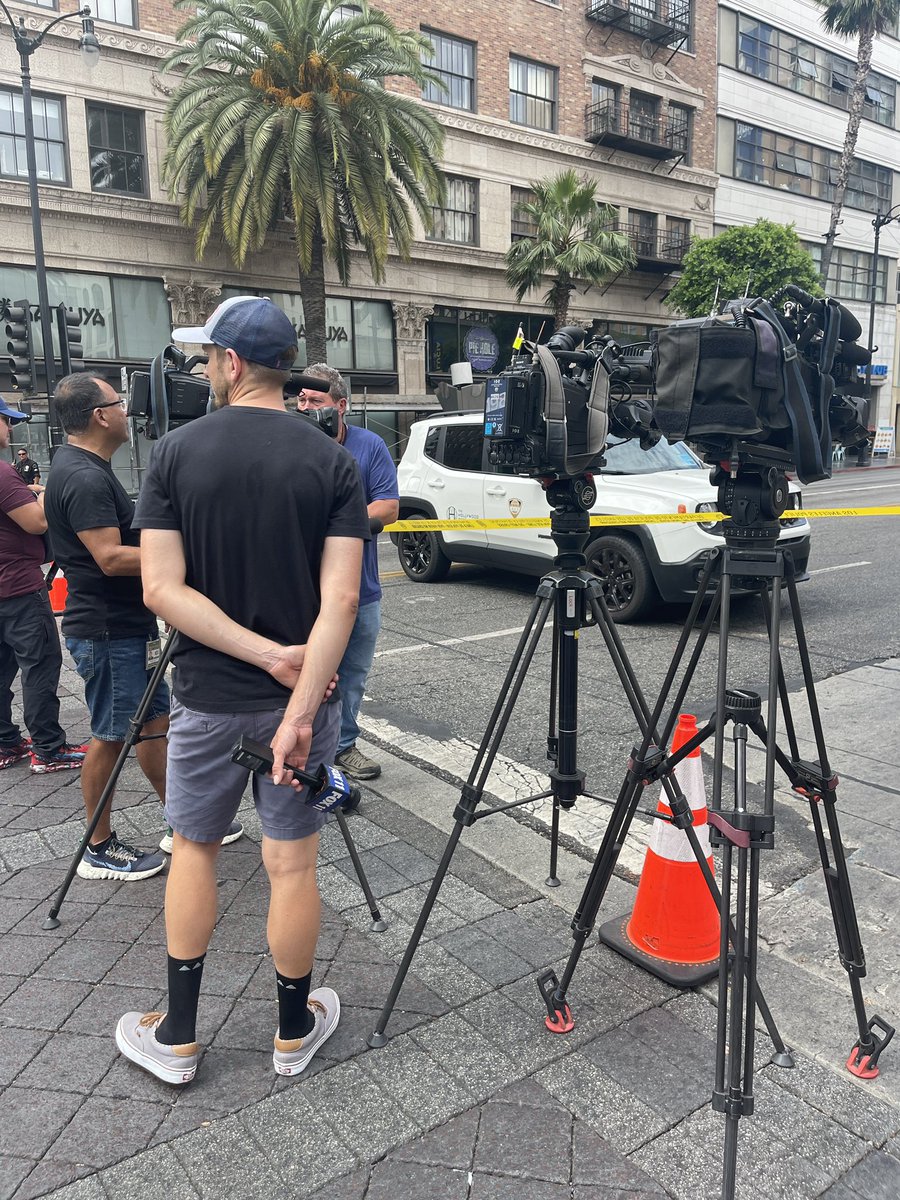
x=673, y=931
x=59, y=590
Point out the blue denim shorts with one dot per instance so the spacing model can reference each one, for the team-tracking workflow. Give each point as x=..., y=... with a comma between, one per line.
x=204, y=787
x=115, y=679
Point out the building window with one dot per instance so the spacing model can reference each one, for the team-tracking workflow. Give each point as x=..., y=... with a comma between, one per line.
x=678, y=238
x=850, y=273
x=532, y=94
x=642, y=232
x=772, y=159
x=118, y=12
x=678, y=130
x=453, y=60
x=781, y=58
x=522, y=225
x=49, y=138
x=643, y=117
x=457, y=221
x=116, y=149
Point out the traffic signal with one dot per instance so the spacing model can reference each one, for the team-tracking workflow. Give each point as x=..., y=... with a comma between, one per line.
x=71, y=351
x=19, y=346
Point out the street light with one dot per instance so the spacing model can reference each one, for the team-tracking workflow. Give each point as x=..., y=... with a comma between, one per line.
x=878, y=223
x=26, y=44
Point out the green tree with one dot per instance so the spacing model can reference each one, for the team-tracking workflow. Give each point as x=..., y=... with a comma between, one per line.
x=281, y=112
x=574, y=242
x=863, y=20
x=755, y=260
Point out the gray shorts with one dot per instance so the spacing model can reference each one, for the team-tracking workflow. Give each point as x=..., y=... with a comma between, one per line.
x=204, y=787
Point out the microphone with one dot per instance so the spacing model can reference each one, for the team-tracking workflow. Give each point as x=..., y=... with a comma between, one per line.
x=850, y=330
x=853, y=354
x=375, y=526
x=305, y=383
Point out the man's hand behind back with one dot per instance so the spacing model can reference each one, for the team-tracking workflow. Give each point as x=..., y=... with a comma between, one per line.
x=288, y=663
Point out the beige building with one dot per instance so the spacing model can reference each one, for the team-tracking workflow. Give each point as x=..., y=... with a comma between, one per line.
x=624, y=91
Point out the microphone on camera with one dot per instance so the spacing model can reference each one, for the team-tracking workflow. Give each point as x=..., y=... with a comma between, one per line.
x=375, y=526
x=850, y=330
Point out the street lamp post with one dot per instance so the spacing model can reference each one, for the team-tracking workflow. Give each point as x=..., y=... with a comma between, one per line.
x=878, y=223
x=26, y=44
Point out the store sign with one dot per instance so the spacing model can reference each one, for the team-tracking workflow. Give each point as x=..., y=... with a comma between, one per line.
x=481, y=348
x=879, y=371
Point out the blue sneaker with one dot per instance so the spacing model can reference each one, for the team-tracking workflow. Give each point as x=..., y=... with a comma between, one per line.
x=118, y=860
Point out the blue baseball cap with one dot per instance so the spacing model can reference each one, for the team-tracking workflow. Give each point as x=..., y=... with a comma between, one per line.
x=6, y=410
x=251, y=326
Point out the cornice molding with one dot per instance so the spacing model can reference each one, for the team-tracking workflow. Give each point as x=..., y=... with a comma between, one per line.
x=92, y=206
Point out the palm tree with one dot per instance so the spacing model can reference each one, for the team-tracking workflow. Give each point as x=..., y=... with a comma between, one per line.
x=864, y=20
x=282, y=112
x=574, y=242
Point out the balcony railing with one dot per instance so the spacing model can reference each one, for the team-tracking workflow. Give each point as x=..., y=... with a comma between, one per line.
x=666, y=22
x=625, y=127
x=656, y=251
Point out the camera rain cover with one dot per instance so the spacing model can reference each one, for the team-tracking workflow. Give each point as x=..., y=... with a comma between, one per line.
x=575, y=433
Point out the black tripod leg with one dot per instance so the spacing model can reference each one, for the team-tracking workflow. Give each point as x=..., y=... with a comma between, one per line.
x=553, y=754
x=473, y=789
x=874, y=1033
x=378, y=922
x=131, y=739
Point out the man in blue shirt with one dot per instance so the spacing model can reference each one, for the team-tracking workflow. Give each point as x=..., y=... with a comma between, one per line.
x=379, y=478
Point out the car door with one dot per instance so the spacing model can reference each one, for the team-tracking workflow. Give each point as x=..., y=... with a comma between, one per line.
x=521, y=498
x=452, y=481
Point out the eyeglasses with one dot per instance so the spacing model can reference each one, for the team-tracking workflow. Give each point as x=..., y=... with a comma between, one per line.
x=108, y=404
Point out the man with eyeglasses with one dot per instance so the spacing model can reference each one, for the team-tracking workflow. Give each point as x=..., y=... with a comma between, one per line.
x=110, y=633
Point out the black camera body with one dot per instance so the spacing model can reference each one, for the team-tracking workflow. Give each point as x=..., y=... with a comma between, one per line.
x=326, y=418
x=168, y=394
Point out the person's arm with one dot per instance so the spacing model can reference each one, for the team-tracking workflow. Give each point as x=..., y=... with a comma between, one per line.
x=386, y=511
x=105, y=547
x=30, y=517
x=339, y=589
x=166, y=593
x=381, y=486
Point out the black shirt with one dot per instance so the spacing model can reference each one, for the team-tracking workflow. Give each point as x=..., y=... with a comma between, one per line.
x=254, y=493
x=83, y=493
x=28, y=469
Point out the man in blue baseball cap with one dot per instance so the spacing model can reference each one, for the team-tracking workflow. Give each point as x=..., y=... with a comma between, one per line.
x=253, y=526
x=28, y=637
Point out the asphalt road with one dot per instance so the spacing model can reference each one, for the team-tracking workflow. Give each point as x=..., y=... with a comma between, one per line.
x=423, y=691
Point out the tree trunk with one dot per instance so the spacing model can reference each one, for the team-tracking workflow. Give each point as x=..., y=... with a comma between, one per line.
x=562, y=291
x=312, y=291
x=857, y=100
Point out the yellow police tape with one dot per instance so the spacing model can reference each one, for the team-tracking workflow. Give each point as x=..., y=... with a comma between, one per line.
x=428, y=525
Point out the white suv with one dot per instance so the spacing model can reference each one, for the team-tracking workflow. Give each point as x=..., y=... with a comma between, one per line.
x=445, y=474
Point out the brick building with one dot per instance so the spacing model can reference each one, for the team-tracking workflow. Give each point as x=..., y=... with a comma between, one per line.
x=626, y=95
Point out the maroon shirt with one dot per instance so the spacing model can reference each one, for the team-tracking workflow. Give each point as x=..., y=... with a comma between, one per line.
x=21, y=553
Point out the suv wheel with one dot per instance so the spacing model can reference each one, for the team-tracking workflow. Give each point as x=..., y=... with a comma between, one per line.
x=621, y=567
x=421, y=556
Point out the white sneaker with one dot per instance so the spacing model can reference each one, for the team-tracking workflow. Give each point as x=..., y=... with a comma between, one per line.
x=293, y=1055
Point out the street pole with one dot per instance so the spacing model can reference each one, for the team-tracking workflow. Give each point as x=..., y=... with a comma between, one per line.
x=26, y=44
x=878, y=223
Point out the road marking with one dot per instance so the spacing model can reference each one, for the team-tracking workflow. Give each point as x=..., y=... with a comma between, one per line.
x=474, y=637
x=840, y=567
x=839, y=491
x=511, y=780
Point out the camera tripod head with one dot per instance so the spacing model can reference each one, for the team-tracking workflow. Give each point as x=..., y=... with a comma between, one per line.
x=570, y=525
x=753, y=492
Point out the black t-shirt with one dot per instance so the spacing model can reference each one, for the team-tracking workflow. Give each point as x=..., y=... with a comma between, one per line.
x=28, y=469
x=83, y=493
x=254, y=493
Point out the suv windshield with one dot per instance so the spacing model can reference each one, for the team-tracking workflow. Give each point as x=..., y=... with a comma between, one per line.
x=627, y=458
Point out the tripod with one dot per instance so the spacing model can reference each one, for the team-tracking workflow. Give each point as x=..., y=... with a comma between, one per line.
x=571, y=593
x=754, y=495
x=134, y=736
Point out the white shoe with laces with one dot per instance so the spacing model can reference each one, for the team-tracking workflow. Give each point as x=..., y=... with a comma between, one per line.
x=293, y=1055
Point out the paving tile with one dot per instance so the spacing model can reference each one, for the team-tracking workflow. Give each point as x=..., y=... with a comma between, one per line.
x=348, y=1187
x=141, y=966
x=410, y=862
x=18, y=1047
x=83, y=959
x=421, y=1087
x=298, y=1143
x=12, y=1172
x=596, y=1162
x=250, y=1024
x=363, y=1116
x=836, y=1094
x=396, y=1177
x=483, y=955
x=805, y=1129
x=50, y=1175
x=496, y=1187
x=224, y=1160
x=513, y=1140
x=104, y=1131
x=875, y=1177
x=22, y=955
x=383, y=878
x=99, y=1013
x=85, y=1189
x=40, y=1004
x=114, y=923
x=449, y=1145
x=70, y=1062
x=369, y=988
x=243, y=932
x=516, y=932
x=181, y=1120
x=12, y=910
x=159, y=1165
x=31, y=1118
x=229, y=1079
x=468, y=1056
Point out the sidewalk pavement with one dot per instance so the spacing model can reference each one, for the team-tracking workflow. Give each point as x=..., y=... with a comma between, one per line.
x=472, y=1099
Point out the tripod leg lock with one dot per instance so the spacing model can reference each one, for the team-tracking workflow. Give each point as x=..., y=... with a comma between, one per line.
x=559, y=1016
x=649, y=768
x=468, y=802
x=809, y=781
x=863, y=1060
x=682, y=815
x=732, y=1106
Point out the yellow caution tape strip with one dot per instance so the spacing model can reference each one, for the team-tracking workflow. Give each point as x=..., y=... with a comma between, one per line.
x=427, y=525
